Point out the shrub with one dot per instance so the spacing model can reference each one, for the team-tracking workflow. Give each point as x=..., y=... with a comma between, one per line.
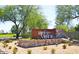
x=70, y=43
x=5, y=45
x=27, y=35
x=64, y=46
x=8, y=41
x=44, y=48
x=15, y=43
x=14, y=35
x=64, y=41
x=10, y=47
x=29, y=51
x=15, y=50
x=53, y=51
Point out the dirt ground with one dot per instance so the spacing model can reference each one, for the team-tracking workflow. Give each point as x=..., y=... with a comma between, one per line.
x=39, y=50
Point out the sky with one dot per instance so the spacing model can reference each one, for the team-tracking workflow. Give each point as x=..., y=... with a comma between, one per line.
x=49, y=11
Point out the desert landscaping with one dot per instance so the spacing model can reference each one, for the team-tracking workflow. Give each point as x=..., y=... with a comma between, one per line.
x=37, y=29
x=63, y=48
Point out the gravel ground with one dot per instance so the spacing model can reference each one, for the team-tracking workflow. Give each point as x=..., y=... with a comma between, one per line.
x=39, y=50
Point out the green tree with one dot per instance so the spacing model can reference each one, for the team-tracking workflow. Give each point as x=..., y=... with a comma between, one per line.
x=72, y=29
x=13, y=29
x=22, y=16
x=16, y=14
x=62, y=27
x=77, y=27
x=35, y=21
x=66, y=13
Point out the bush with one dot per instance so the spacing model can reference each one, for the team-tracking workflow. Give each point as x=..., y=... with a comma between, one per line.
x=15, y=50
x=27, y=35
x=64, y=41
x=53, y=51
x=64, y=46
x=44, y=48
x=14, y=35
x=10, y=47
x=15, y=43
x=8, y=41
x=29, y=51
x=70, y=43
x=5, y=45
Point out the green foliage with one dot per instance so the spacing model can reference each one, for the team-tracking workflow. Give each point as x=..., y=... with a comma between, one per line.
x=72, y=30
x=13, y=29
x=23, y=17
x=26, y=35
x=77, y=27
x=64, y=14
x=36, y=20
x=62, y=27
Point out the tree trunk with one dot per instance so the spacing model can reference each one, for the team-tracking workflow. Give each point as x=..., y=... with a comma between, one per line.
x=17, y=31
x=17, y=35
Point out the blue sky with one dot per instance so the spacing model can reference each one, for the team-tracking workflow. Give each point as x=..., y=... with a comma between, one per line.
x=48, y=11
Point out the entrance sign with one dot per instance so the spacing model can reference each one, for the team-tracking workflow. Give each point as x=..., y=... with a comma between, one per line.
x=43, y=33
x=47, y=33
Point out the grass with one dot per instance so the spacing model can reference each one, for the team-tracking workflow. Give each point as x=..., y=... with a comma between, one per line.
x=9, y=35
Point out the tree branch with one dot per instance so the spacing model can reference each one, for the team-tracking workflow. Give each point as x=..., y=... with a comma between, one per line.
x=75, y=17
